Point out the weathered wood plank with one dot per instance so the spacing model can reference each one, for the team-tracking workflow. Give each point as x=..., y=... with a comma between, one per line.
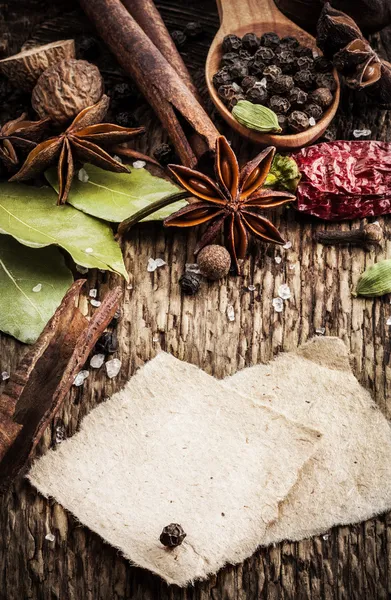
x=346, y=563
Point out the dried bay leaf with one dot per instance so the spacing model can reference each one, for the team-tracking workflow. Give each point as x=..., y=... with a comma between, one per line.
x=117, y=196
x=32, y=216
x=24, y=312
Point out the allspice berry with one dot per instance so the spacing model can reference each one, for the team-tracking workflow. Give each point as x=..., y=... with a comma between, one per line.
x=214, y=261
x=172, y=535
x=66, y=88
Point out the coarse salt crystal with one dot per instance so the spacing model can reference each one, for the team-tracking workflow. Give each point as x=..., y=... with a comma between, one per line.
x=292, y=267
x=129, y=286
x=230, y=313
x=83, y=176
x=37, y=288
x=117, y=158
x=139, y=164
x=287, y=246
x=153, y=264
x=192, y=268
x=95, y=303
x=284, y=291
x=93, y=293
x=113, y=367
x=312, y=121
x=97, y=361
x=278, y=259
x=278, y=304
x=263, y=82
x=80, y=378
x=89, y=250
x=320, y=330
x=50, y=537
x=357, y=133
x=155, y=339
x=5, y=375
x=251, y=288
x=388, y=322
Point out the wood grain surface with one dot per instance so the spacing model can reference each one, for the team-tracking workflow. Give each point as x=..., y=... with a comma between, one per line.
x=345, y=563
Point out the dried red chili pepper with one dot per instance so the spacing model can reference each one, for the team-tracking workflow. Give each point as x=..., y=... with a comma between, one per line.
x=345, y=180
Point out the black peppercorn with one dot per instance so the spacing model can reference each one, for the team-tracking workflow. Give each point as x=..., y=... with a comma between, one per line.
x=165, y=154
x=282, y=84
x=257, y=94
x=303, y=51
x=298, y=121
x=270, y=40
x=194, y=29
x=235, y=99
x=290, y=42
x=179, y=38
x=314, y=111
x=251, y=42
x=305, y=62
x=231, y=43
x=244, y=54
x=107, y=343
x=286, y=61
x=297, y=97
x=279, y=105
x=222, y=77
x=229, y=91
x=283, y=123
x=304, y=79
x=322, y=65
x=121, y=95
x=272, y=72
x=172, y=535
x=256, y=66
x=125, y=119
x=322, y=96
x=238, y=70
x=265, y=55
x=248, y=82
x=326, y=80
x=190, y=283
x=228, y=59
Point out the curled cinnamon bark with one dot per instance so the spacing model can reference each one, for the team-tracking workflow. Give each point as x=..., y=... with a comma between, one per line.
x=168, y=95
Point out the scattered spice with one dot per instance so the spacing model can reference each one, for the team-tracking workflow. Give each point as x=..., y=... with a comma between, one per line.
x=155, y=263
x=367, y=236
x=82, y=140
x=113, y=367
x=232, y=200
x=278, y=304
x=214, y=262
x=274, y=73
x=80, y=378
x=190, y=283
x=172, y=535
x=107, y=343
x=284, y=291
x=375, y=281
x=256, y=116
x=230, y=313
x=345, y=179
x=19, y=135
x=97, y=361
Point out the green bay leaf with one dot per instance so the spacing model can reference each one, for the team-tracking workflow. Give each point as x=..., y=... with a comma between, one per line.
x=117, y=196
x=23, y=312
x=32, y=216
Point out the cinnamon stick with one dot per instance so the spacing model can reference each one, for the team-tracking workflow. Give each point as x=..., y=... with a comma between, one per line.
x=158, y=81
x=35, y=391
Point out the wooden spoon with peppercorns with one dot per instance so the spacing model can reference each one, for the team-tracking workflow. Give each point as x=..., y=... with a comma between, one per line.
x=260, y=17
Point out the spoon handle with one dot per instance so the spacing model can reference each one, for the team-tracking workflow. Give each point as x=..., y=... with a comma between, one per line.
x=241, y=13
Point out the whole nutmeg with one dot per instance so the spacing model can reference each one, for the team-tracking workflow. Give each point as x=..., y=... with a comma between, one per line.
x=66, y=88
x=214, y=262
x=172, y=535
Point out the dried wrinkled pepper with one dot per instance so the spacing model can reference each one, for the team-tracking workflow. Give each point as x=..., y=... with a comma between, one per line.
x=344, y=180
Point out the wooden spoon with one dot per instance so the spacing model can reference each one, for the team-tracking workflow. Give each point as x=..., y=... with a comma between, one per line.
x=260, y=16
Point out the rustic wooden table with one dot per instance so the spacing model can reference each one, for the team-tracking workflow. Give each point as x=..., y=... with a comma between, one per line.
x=345, y=563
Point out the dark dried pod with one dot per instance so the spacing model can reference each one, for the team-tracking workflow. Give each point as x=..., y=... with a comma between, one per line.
x=322, y=96
x=190, y=283
x=222, y=77
x=251, y=42
x=165, y=154
x=231, y=43
x=228, y=59
x=179, y=38
x=298, y=121
x=194, y=29
x=279, y=105
x=322, y=65
x=107, y=343
x=257, y=94
x=283, y=84
x=380, y=92
x=326, y=80
x=355, y=53
x=172, y=535
x=304, y=51
x=297, y=97
x=270, y=40
x=335, y=30
x=272, y=72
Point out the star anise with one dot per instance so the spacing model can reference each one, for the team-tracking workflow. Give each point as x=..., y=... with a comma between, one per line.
x=82, y=141
x=233, y=200
x=19, y=134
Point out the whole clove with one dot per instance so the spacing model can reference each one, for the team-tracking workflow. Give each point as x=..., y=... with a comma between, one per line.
x=190, y=283
x=365, y=237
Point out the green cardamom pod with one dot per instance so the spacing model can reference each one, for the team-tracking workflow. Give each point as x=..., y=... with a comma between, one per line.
x=256, y=116
x=376, y=280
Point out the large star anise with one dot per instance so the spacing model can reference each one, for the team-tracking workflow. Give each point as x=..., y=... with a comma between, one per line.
x=233, y=200
x=19, y=134
x=82, y=141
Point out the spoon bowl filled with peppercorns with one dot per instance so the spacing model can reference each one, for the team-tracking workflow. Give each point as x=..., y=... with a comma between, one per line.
x=267, y=77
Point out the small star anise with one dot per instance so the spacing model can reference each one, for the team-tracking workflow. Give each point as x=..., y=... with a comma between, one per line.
x=233, y=200
x=82, y=141
x=19, y=134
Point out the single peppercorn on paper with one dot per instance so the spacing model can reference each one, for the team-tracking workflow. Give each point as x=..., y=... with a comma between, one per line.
x=349, y=478
x=176, y=446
